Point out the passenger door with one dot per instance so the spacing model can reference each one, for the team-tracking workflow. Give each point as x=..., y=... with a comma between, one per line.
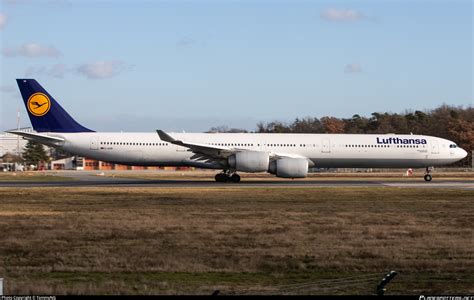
x=94, y=143
x=326, y=146
x=434, y=147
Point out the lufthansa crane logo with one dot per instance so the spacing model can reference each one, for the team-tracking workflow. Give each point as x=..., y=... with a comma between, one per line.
x=39, y=104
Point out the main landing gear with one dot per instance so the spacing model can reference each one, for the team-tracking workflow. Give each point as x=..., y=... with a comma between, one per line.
x=227, y=176
x=428, y=176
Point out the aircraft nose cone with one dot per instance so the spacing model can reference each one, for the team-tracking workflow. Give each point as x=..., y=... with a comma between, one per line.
x=463, y=153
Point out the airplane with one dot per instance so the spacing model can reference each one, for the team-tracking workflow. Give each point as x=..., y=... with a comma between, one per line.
x=284, y=155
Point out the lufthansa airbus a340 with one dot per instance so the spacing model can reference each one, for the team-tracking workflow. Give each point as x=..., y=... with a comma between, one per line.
x=285, y=155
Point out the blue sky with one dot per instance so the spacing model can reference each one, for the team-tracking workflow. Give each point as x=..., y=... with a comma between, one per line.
x=191, y=65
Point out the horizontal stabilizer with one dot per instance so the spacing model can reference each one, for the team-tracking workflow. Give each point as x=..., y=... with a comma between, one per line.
x=38, y=137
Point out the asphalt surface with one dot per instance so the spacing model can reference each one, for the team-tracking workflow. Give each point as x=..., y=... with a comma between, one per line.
x=90, y=180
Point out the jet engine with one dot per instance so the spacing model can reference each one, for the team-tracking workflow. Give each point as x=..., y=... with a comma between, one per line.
x=288, y=167
x=249, y=161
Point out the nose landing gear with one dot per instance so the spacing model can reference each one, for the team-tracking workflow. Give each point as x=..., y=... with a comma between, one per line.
x=227, y=176
x=428, y=176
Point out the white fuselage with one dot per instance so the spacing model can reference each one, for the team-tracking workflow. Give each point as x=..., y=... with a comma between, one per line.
x=322, y=150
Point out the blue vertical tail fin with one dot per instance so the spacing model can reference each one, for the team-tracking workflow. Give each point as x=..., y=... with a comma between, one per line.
x=46, y=115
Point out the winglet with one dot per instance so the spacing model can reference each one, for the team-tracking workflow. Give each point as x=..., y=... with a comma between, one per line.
x=166, y=137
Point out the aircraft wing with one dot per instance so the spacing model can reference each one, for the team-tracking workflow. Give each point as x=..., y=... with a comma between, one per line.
x=38, y=137
x=213, y=152
x=209, y=151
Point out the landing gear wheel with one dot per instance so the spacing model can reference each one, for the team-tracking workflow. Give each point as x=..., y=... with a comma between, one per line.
x=428, y=174
x=235, y=178
x=221, y=177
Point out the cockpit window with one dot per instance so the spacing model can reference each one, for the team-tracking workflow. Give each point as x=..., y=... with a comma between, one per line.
x=453, y=146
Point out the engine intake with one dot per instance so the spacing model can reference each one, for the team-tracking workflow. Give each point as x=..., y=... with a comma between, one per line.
x=249, y=161
x=288, y=167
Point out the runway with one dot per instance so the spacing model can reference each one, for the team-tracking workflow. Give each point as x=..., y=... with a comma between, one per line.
x=89, y=180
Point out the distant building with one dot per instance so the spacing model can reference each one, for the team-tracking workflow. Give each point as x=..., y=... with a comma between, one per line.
x=67, y=163
x=11, y=162
x=81, y=163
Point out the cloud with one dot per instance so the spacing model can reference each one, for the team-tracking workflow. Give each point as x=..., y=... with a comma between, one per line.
x=3, y=20
x=56, y=71
x=102, y=69
x=32, y=50
x=14, y=2
x=95, y=70
x=352, y=68
x=35, y=71
x=185, y=42
x=342, y=15
x=8, y=88
x=29, y=2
